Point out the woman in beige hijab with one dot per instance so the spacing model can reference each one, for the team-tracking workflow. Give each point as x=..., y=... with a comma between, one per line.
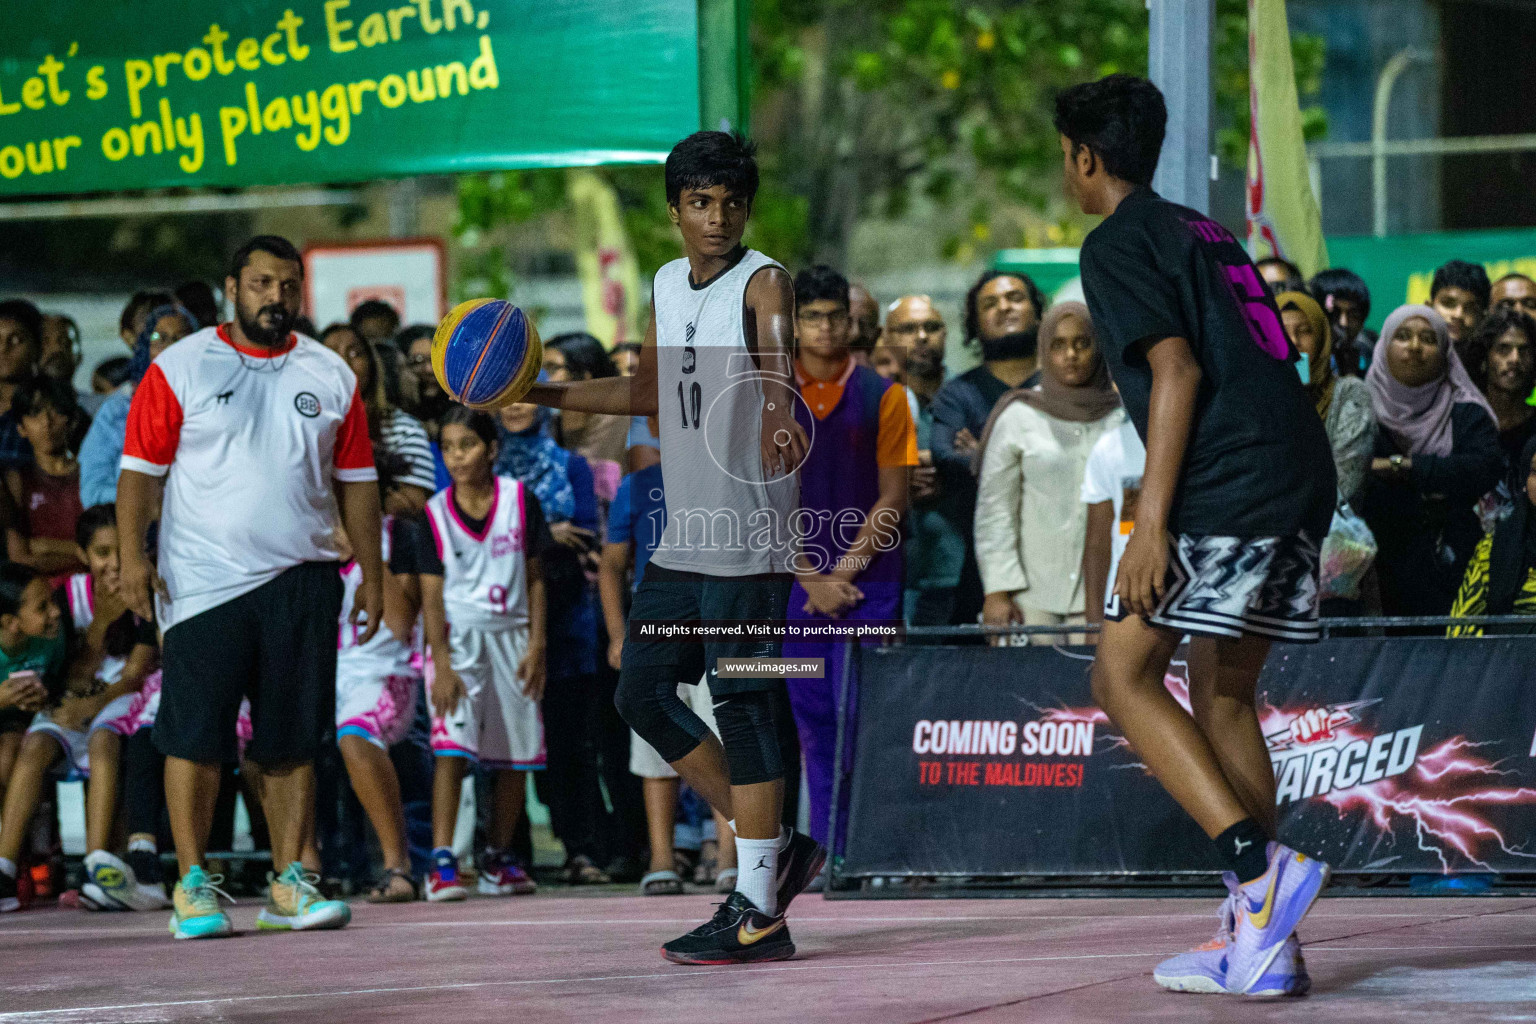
x=1030, y=519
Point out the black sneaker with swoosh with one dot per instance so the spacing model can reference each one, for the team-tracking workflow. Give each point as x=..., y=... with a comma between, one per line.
x=739, y=933
x=799, y=863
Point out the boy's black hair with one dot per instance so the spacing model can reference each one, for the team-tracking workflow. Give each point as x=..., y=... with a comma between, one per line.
x=41, y=391
x=584, y=355
x=141, y=303
x=370, y=308
x=97, y=517
x=408, y=336
x=480, y=423
x=26, y=314
x=272, y=245
x=1493, y=327
x=1121, y=118
x=114, y=371
x=821, y=282
x=973, y=317
x=1293, y=282
x=14, y=579
x=706, y=159
x=1345, y=284
x=196, y=297
x=332, y=328
x=1461, y=274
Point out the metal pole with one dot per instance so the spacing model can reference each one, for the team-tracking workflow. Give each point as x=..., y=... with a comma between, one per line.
x=1384, y=85
x=852, y=661
x=1179, y=59
x=403, y=194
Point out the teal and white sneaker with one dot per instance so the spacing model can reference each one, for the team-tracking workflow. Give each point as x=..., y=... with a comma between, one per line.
x=195, y=911
x=294, y=904
x=112, y=885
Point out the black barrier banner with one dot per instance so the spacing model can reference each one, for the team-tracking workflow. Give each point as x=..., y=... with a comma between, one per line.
x=1390, y=755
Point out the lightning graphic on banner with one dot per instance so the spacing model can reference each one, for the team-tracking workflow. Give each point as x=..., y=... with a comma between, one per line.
x=1444, y=798
x=1326, y=753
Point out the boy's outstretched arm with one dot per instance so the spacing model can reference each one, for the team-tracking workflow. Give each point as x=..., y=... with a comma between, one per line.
x=617, y=396
x=1175, y=383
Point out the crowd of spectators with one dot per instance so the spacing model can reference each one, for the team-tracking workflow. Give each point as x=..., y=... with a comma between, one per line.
x=1015, y=487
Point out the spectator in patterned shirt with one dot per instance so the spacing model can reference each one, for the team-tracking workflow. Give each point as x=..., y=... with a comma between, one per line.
x=393, y=431
x=1501, y=576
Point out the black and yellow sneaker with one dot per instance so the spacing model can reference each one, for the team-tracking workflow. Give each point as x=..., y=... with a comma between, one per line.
x=739, y=933
x=799, y=864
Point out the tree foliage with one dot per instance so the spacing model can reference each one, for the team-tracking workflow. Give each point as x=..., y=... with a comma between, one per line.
x=861, y=107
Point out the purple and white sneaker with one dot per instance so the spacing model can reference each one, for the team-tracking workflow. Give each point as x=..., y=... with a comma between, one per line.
x=1204, y=968
x=1268, y=910
x=1286, y=974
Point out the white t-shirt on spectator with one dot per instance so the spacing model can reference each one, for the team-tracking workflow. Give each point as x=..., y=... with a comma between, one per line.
x=1114, y=471
x=250, y=442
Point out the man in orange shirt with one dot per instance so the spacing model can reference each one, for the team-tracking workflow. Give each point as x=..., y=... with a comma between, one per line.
x=853, y=494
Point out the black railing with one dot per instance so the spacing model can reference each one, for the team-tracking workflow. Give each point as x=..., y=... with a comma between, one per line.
x=1329, y=626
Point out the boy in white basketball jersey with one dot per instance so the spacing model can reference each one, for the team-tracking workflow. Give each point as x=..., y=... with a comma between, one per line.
x=483, y=605
x=716, y=368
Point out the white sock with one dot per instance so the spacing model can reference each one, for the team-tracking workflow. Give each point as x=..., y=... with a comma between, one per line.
x=785, y=834
x=142, y=846
x=757, y=873
x=8, y=866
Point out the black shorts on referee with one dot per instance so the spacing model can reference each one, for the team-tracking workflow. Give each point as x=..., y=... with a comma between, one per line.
x=275, y=645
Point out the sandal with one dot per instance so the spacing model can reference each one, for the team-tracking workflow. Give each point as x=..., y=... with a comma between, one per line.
x=685, y=862
x=387, y=891
x=580, y=870
x=661, y=883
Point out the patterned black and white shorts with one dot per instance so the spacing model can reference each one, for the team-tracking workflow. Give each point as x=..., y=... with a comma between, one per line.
x=1231, y=586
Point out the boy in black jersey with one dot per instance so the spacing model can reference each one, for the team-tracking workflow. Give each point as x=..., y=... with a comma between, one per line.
x=1237, y=496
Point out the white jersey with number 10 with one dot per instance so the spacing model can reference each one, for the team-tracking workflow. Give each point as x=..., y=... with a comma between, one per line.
x=723, y=517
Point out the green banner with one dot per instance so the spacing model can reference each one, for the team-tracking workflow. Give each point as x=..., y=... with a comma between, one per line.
x=1397, y=269
x=162, y=93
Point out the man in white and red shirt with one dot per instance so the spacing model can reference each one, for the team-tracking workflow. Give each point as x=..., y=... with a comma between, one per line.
x=260, y=441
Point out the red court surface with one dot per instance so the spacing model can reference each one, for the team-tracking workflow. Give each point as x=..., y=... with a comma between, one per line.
x=555, y=959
